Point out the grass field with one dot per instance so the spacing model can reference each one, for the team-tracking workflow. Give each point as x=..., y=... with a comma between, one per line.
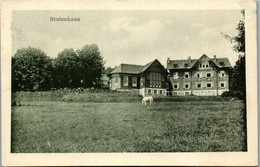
x=117, y=122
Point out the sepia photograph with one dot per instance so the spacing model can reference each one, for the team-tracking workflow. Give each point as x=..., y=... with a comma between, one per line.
x=129, y=81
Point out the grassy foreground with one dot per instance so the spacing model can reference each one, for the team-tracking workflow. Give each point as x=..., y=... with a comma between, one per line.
x=117, y=122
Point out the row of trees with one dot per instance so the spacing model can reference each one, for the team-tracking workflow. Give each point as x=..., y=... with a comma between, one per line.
x=33, y=70
x=238, y=73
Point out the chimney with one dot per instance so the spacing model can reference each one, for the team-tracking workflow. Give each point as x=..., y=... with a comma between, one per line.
x=215, y=59
x=168, y=60
x=189, y=61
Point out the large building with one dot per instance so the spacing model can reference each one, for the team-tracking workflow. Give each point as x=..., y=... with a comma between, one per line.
x=149, y=79
x=202, y=77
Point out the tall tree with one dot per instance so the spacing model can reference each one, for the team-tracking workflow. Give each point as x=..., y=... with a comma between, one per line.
x=238, y=75
x=91, y=65
x=108, y=69
x=31, y=70
x=66, y=73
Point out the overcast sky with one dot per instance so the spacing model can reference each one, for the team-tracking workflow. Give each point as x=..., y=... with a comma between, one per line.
x=133, y=37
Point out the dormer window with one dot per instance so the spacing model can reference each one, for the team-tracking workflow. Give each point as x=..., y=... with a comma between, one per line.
x=175, y=65
x=221, y=63
x=186, y=65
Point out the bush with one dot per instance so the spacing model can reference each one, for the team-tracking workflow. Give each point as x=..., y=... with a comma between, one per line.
x=237, y=94
x=227, y=94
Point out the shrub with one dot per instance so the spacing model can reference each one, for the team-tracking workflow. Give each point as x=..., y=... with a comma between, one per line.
x=227, y=94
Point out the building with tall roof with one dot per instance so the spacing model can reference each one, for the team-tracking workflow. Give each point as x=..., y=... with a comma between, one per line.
x=202, y=77
x=149, y=79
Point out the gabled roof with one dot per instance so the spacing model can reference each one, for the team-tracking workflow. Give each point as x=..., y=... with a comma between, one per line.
x=181, y=63
x=131, y=68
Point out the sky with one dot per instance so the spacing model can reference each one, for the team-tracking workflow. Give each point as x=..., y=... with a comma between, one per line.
x=130, y=36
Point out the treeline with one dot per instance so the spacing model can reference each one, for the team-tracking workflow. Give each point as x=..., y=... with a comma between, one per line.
x=238, y=73
x=33, y=70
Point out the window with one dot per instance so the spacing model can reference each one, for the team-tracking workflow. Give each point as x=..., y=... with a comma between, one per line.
x=142, y=81
x=198, y=75
x=175, y=65
x=175, y=75
x=204, y=65
x=208, y=75
x=199, y=85
x=221, y=63
x=125, y=80
x=155, y=92
x=186, y=75
x=155, y=79
x=149, y=91
x=208, y=85
x=175, y=86
x=186, y=65
x=222, y=84
x=134, y=81
x=222, y=74
x=186, y=86
x=161, y=92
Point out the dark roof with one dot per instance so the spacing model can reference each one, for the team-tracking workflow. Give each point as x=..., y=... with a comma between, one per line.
x=181, y=63
x=127, y=68
x=224, y=60
x=131, y=68
x=146, y=66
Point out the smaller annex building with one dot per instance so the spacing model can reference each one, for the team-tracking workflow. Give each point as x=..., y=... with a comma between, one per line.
x=150, y=79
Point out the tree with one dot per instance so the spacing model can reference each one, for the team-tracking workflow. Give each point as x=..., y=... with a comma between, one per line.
x=91, y=65
x=31, y=70
x=238, y=74
x=108, y=70
x=66, y=73
x=238, y=82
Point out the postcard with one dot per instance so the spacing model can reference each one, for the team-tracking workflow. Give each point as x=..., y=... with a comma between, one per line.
x=129, y=83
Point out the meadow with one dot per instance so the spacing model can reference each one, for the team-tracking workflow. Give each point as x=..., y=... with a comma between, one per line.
x=66, y=122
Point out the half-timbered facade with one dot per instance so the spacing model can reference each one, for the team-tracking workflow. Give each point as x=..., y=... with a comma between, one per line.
x=149, y=79
x=201, y=77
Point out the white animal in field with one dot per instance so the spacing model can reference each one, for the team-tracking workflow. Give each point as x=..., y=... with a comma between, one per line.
x=147, y=98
